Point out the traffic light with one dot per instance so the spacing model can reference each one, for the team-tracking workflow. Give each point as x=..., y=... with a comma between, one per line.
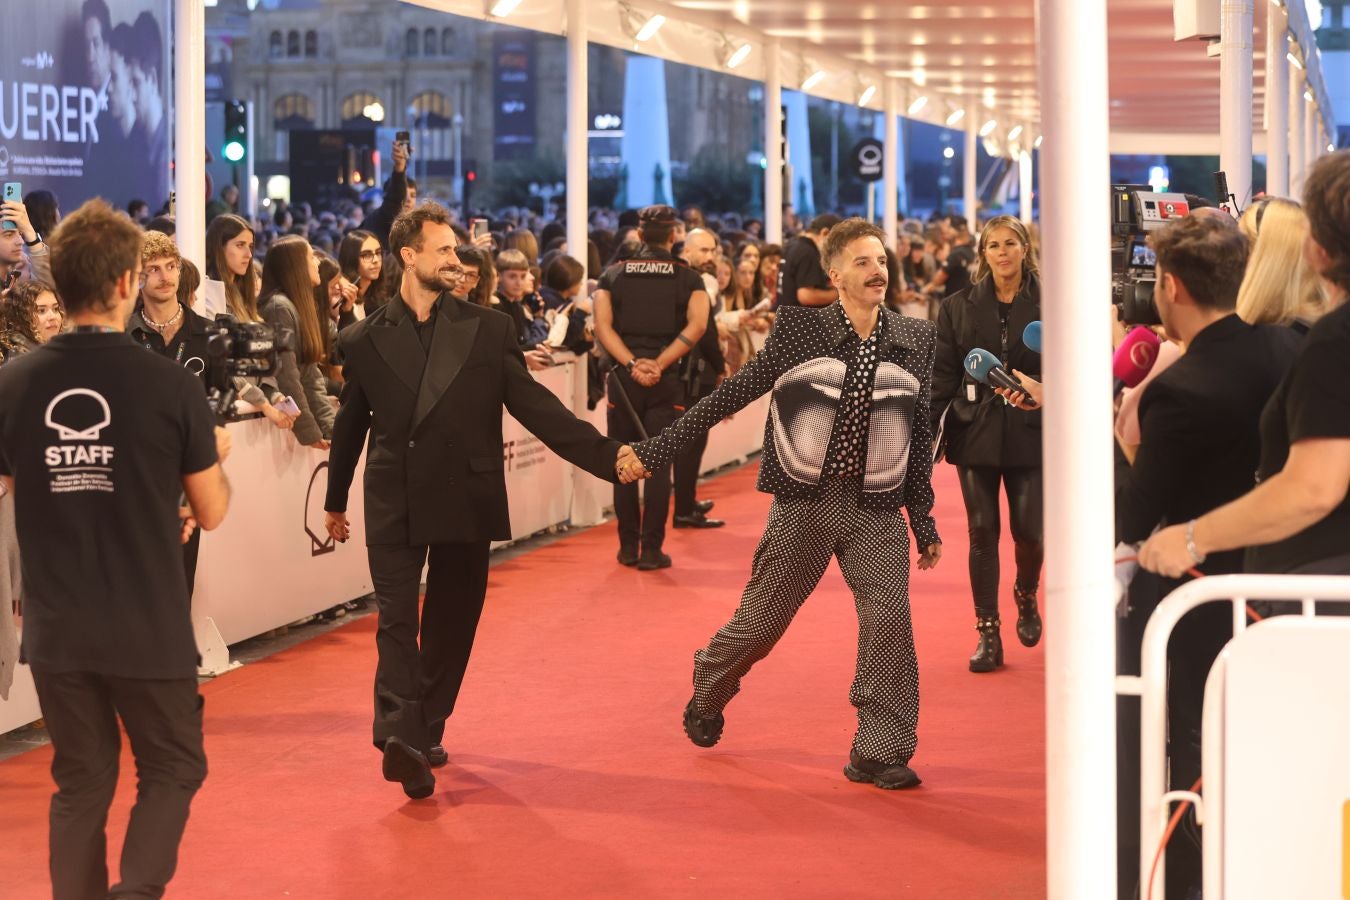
x=235, y=147
x=470, y=178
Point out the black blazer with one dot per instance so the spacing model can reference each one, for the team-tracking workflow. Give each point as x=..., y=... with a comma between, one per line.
x=985, y=431
x=1199, y=425
x=804, y=363
x=434, y=470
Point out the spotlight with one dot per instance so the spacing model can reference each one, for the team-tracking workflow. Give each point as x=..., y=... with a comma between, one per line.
x=917, y=105
x=955, y=117
x=987, y=128
x=813, y=79
x=1015, y=133
x=867, y=95
x=503, y=8
x=733, y=56
x=649, y=30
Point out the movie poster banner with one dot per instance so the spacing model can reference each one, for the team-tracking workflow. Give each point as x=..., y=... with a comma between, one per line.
x=84, y=102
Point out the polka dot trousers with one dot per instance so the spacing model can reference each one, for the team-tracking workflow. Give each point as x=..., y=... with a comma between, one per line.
x=873, y=551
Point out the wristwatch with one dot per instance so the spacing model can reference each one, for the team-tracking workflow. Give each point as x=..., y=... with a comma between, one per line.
x=632, y=362
x=37, y=239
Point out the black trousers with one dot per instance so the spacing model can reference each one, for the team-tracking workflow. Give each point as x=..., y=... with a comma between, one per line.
x=979, y=489
x=656, y=407
x=418, y=681
x=163, y=719
x=687, y=466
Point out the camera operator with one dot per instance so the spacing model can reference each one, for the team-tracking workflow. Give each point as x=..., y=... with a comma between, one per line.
x=1297, y=518
x=1198, y=446
x=98, y=440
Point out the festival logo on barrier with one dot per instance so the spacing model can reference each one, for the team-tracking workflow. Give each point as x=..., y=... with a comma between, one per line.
x=320, y=541
x=84, y=104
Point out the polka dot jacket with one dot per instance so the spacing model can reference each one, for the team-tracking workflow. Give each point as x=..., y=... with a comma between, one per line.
x=812, y=364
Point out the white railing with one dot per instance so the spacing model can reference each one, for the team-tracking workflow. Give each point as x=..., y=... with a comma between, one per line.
x=1151, y=687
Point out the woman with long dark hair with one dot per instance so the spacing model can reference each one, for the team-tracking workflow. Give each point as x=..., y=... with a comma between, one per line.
x=229, y=259
x=989, y=441
x=290, y=274
x=362, y=261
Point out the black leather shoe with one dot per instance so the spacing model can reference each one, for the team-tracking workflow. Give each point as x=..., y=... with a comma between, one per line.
x=1028, y=617
x=697, y=520
x=887, y=776
x=408, y=767
x=436, y=756
x=628, y=556
x=650, y=560
x=702, y=730
x=989, y=652
x=703, y=506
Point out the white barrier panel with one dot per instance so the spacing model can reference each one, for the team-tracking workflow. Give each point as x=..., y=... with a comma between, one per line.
x=1278, y=808
x=538, y=481
x=272, y=562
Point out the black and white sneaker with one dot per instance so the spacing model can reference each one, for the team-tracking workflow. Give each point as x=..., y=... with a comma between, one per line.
x=887, y=776
x=704, y=731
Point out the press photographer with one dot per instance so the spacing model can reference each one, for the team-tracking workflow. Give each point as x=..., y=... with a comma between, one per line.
x=98, y=440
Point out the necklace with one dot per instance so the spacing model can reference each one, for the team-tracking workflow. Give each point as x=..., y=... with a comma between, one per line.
x=160, y=327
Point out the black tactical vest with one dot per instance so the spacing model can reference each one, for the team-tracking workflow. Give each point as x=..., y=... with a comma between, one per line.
x=650, y=297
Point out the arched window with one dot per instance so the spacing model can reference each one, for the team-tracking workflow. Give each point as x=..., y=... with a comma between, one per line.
x=362, y=110
x=447, y=42
x=275, y=45
x=432, y=110
x=292, y=43
x=429, y=42
x=292, y=111
x=410, y=42
x=311, y=44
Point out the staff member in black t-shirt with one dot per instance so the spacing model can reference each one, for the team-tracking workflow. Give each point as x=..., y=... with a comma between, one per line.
x=954, y=277
x=802, y=278
x=98, y=440
x=1298, y=518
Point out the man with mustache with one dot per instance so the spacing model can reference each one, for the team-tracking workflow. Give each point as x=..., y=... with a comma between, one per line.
x=847, y=444
x=427, y=376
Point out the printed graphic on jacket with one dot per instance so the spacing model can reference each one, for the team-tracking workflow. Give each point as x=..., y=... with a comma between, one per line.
x=802, y=413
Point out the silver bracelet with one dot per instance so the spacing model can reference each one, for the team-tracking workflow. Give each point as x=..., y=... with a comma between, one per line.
x=1197, y=557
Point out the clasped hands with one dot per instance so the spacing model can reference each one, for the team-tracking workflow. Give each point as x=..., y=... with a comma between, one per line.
x=646, y=372
x=628, y=467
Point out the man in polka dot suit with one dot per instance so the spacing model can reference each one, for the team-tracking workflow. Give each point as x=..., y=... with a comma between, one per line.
x=847, y=444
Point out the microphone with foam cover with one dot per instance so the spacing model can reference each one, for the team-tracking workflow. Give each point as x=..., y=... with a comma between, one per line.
x=986, y=368
x=1031, y=336
x=1135, y=356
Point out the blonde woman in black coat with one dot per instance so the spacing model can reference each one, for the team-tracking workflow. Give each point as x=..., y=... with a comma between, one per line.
x=989, y=441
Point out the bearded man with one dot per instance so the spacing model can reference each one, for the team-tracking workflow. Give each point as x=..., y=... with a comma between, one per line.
x=427, y=377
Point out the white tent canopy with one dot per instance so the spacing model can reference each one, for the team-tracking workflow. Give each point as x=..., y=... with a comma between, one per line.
x=1164, y=94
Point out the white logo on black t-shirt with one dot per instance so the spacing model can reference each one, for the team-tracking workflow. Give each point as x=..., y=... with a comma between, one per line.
x=79, y=415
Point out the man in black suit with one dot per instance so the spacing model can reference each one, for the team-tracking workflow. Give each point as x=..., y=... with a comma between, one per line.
x=428, y=376
x=1199, y=448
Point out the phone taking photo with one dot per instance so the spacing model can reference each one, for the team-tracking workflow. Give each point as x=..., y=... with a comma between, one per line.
x=478, y=228
x=13, y=192
x=405, y=139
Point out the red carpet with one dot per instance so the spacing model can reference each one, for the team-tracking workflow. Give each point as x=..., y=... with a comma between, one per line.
x=570, y=775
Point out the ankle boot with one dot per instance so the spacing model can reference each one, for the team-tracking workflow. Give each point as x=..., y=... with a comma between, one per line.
x=989, y=654
x=1028, y=617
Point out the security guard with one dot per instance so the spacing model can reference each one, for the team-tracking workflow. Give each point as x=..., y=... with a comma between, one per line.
x=649, y=312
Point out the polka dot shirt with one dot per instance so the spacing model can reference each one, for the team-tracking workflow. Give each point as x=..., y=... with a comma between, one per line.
x=847, y=455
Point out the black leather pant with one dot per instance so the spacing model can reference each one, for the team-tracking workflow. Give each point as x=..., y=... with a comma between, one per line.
x=979, y=488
